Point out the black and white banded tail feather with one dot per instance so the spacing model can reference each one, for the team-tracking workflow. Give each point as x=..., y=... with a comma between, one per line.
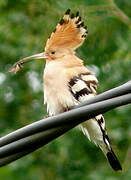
x=82, y=88
x=114, y=162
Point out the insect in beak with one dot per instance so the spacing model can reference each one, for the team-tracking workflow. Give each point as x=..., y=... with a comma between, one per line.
x=18, y=65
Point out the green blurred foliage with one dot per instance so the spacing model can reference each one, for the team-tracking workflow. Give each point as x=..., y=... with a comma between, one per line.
x=24, y=29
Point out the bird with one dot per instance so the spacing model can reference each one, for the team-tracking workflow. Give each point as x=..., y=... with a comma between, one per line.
x=67, y=82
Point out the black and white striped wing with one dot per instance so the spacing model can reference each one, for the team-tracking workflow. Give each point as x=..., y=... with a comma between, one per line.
x=83, y=86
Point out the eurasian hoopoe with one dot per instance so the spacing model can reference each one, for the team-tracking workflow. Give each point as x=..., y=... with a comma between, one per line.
x=67, y=82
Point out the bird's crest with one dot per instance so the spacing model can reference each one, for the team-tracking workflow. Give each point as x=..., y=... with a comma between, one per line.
x=70, y=33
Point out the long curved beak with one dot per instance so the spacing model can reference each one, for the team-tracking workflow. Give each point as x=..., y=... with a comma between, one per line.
x=35, y=56
x=18, y=65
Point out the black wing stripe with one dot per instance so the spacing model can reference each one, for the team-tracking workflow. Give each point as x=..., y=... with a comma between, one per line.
x=81, y=93
x=83, y=74
x=73, y=81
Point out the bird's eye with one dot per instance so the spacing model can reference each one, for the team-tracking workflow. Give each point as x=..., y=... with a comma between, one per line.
x=53, y=52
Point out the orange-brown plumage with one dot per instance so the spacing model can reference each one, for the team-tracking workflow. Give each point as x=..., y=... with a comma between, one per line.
x=70, y=33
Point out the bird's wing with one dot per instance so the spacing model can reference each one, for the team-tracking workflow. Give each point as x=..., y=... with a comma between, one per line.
x=69, y=33
x=83, y=87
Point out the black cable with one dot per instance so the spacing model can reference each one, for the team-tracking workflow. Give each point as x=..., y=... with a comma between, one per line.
x=73, y=117
x=37, y=140
x=39, y=126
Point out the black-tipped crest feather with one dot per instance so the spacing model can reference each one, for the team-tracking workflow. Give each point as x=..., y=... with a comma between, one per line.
x=82, y=24
x=68, y=11
x=72, y=16
x=62, y=21
x=77, y=13
x=79, y=19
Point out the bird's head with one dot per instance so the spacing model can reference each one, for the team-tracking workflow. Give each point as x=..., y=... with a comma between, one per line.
x=55, y=53
x=69, y=34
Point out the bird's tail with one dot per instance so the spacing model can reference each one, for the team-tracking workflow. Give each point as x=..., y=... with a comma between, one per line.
x=94, y=132
x=114, y=162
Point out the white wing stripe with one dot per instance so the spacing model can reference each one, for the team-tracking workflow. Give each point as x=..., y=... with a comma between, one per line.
x=89, y=78
x=79, y=85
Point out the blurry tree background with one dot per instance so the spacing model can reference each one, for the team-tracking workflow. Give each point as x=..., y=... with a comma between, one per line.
x=24, y=28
